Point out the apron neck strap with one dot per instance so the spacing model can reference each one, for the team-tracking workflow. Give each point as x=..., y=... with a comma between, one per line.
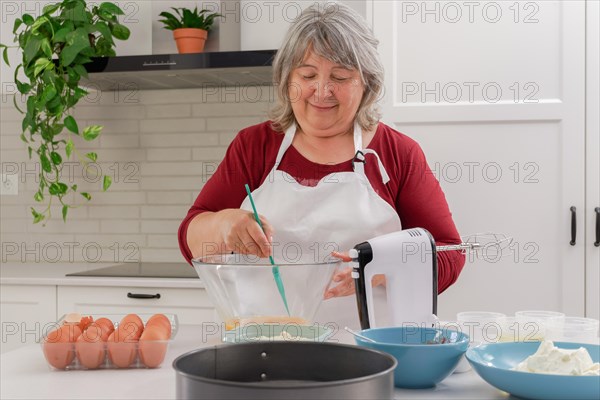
x=286, y=143
x=358, y=144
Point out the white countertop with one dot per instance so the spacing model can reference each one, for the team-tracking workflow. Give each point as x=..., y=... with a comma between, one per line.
x=54, y=274
x=25, y=375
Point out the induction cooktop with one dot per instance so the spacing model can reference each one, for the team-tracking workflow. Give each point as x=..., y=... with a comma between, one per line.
x=143, y=270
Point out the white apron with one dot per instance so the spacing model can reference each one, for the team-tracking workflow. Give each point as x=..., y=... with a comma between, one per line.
x=341, y=211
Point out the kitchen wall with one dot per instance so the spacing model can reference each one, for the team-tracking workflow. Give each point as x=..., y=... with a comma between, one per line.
x=159, y=147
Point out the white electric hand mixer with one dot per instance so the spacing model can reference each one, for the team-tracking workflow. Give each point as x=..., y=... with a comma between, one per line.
x=408, y=259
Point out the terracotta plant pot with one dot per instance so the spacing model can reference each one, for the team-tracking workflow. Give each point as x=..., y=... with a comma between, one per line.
x=190, y=40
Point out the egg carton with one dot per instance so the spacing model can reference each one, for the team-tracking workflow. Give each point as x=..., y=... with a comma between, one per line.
x=96, y=354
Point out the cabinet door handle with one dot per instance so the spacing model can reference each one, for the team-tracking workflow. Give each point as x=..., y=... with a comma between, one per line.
x=143, y=296
x=597, y=242
x=573, y=225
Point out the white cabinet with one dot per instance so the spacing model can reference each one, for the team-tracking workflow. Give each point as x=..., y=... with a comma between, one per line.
x=192, y=306
x=29, y=311
x=26, y=312
x=495, y=93
x=592, y=207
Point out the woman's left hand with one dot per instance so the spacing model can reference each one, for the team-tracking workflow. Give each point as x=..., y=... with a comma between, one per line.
x=345, y=282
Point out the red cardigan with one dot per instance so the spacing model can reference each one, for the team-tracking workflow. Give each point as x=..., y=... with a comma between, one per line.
x=413, y=191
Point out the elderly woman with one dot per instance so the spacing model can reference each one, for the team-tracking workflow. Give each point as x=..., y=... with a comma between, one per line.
x=325, y=174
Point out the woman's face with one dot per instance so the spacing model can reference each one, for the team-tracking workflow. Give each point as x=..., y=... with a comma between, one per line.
x=324, y=96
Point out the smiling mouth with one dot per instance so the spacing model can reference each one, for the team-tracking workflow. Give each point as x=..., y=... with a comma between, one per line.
x=324, y=108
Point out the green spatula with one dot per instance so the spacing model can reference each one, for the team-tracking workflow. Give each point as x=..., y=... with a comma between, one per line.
x=275, y=267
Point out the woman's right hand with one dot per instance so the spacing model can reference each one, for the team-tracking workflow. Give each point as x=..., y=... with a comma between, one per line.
x=242, y=234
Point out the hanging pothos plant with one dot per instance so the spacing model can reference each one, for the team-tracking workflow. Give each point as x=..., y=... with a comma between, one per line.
x=55, y=46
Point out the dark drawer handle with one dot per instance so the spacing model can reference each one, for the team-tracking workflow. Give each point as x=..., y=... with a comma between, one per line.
x=597, y=242
x=143, y=296
x=573, y=225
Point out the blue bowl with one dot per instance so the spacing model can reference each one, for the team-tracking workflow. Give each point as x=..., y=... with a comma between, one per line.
x=420, y=363
x=493, y=362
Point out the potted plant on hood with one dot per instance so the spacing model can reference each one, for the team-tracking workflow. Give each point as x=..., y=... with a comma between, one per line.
x=55, y=46
x=190, y=28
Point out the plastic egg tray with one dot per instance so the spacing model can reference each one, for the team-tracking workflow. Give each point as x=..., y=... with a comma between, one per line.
x=120, y=355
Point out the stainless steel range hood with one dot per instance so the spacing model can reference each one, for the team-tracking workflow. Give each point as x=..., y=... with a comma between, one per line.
x=181, y=71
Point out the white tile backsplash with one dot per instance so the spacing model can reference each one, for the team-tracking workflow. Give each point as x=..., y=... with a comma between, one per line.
x=171, y=197
x=163, y=140
x=118, y=198
x=57, y=225
x=162, y=241
x=120, y=141
x=9, y=113
x=181, y=168
x=171, y=183
x=228, y=123
x=164, y=212
x=8, y=226
x=110, y=112
x=229, y=109
x=169, y=111
x=160, y=226
x=168, y=125
x=158, y=146
x=115, y=211
x=11, y=142
x=119, y=226
x=116, y=126
x=173, y=154
x=12, y=212
x=208, y=154
x=10, y=127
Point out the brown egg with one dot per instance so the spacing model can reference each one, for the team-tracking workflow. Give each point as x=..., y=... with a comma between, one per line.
x=66, y=333
x=59, y=355
x=105, y=331
x=128, y=332
x=130, y=327
x=153, y=346
x=106, y=323
x=132, y=318
x=121, y=353
x=160, y=320
x=94, y=333
x=58, y=346
x=90, y=347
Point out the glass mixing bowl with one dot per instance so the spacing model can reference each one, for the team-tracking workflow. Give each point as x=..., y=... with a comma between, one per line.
x=243, y=289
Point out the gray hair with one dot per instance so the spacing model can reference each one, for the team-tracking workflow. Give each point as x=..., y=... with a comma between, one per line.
x=339, y=34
